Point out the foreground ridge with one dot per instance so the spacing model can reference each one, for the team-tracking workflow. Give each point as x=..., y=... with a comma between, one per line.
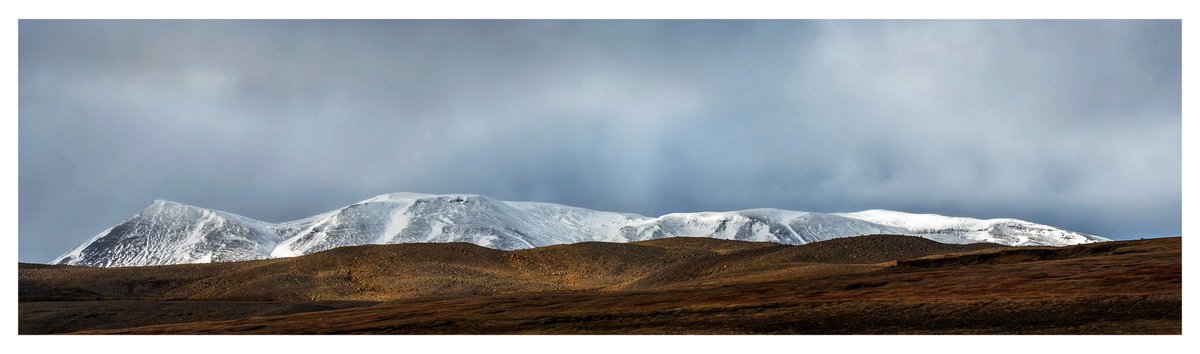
x=174, y=233
x=684, y=285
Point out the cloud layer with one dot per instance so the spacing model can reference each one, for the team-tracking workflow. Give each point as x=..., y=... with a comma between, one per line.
x=1075, y=124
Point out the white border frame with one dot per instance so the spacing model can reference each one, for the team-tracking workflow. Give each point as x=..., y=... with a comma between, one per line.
x=759, y=9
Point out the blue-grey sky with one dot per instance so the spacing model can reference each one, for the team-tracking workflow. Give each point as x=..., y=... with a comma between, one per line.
x=1070, y=123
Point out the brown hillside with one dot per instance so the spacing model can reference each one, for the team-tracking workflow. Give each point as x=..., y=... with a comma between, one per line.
x=872, y=284
x=403, y=271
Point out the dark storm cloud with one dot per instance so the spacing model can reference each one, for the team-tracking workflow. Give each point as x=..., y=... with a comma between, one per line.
x=1069, y=123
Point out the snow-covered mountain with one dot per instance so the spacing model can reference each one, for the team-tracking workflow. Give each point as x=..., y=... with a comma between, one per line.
x=169, y=233
x=173, y=233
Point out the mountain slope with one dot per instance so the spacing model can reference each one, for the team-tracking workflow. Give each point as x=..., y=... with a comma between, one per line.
x=959, y=230
x=173, y=233
x=170, y=233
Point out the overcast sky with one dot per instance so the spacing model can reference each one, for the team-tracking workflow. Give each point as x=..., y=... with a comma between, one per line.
x=1074, y=124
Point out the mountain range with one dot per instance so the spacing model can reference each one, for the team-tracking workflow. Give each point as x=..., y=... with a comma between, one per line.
x=167, y=232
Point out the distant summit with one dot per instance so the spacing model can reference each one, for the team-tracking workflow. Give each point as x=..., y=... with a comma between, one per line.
x=172, y=233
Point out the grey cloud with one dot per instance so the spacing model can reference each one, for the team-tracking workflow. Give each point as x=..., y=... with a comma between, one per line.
x=1069, y=123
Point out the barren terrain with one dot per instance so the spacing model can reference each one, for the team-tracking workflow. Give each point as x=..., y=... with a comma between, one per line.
x=869, y=284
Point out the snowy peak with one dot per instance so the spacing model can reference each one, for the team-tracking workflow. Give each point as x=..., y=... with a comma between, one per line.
x=170, y=233
x=400, y=196
x=408, y=217
x=167, y=232
x=1003, y=231
x=919, y=221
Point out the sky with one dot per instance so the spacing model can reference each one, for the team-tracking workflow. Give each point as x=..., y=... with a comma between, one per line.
x=1075, y=124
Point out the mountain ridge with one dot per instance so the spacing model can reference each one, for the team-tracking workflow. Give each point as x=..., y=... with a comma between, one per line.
x=168, y=232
